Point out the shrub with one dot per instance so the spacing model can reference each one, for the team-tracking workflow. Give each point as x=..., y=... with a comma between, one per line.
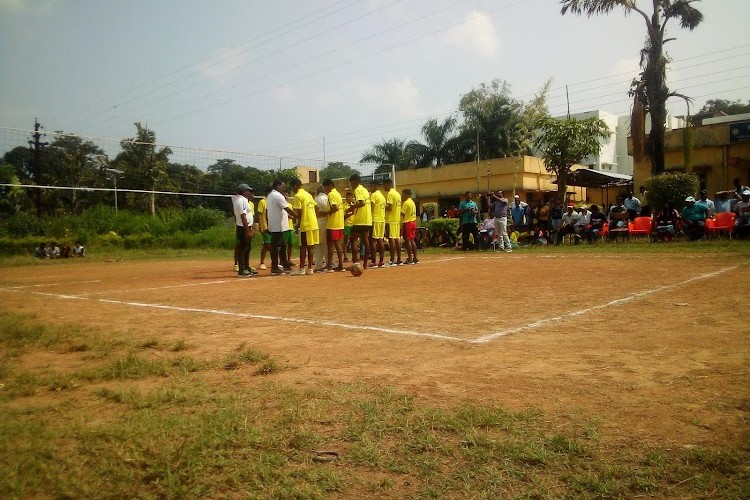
x=673, y=188
x=199, y=219
x=439, y=226
x=25, y=224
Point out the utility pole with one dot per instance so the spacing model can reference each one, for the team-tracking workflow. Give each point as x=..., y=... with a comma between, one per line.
x=37, y=148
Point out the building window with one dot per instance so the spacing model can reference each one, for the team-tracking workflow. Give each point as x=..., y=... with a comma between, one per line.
x=313, y=176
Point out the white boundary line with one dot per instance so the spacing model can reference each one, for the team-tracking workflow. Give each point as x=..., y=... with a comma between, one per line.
x=581, y=312
x=479, y=340
x=153, y=288
x=48, y=284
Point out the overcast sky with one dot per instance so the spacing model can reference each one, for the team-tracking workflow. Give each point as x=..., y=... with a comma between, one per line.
x=279, y=77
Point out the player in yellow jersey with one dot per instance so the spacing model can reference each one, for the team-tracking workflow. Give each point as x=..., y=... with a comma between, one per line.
x=393, y=222
x=262, y=219
x=348, y=222
x=409, y=212
x=304, y=208
x=362, y=217
x=378, y=223
x=334, y=225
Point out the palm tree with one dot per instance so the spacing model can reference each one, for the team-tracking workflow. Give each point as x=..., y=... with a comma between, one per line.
x=651, y=91
x=141, y=160
x=388, y=152
x=437, y=148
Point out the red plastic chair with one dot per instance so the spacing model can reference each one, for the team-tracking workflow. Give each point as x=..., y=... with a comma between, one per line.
x=641, y=226
x=723, y=221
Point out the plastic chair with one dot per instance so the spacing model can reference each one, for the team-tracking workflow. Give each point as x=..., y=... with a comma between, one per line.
x=641, y=226
x=723, y=221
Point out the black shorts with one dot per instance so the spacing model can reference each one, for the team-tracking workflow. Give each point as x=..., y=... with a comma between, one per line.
x=362, y=229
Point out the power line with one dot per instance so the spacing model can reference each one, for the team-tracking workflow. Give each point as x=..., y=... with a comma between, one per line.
x=193, y=66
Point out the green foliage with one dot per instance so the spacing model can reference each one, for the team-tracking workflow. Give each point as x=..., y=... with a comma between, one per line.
x=563, y=143
x=199, y=219
x=672, y=188
x=337, y=170
x=440, y=226
x=25, y=224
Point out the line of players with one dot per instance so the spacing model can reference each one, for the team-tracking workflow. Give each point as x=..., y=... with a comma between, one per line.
x=361, y=221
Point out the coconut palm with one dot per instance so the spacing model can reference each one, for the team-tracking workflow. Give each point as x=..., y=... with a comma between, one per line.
x=651, y=91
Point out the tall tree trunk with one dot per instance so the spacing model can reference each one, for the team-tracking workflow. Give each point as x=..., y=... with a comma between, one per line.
x=656, y=92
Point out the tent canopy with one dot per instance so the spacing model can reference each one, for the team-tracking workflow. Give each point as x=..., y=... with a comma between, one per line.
x=588, y=178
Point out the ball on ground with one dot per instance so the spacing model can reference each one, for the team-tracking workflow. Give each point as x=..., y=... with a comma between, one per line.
x=356, y=269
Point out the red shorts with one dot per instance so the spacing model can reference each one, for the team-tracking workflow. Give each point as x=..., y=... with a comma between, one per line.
x=410, y=230
x=336, y=234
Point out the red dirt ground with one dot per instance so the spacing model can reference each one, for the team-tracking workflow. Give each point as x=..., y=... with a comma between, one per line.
x=669, y=366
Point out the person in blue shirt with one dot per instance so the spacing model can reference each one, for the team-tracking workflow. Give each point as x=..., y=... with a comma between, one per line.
x=468, y=212
x=693, y=219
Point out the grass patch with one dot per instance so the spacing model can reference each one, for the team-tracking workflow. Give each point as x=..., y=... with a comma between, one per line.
x=144, y=423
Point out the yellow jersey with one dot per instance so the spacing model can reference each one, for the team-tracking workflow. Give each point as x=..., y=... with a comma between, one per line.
x=262, y=221
x=336, y=219
x=394, y=199
x=305, y=203
x=362, y=215
x=378, y=206
x=409, y=209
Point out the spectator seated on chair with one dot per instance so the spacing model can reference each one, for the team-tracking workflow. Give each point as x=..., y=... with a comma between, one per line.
x=725, y=201
x=693, y=219
x=568, y=226
x=584, y=222
x=487, y=232
x=666, y=223
x=632, y=205
x=742, y=209
x=597, y=221
x=618, y=218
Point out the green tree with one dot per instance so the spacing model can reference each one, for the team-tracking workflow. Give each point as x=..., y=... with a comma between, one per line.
x=186, y=179
x=388, y=152
x=22, y=159
x=337, y=170
x=145, y=166
x=490, y=115
x=564, y=143
x=12, y=199
x=651, y=91
x=438, y=146
x=76, y=163
x=715, y=107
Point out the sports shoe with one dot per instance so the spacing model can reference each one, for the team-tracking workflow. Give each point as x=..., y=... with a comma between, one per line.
x=408, y=262
x=278, y=272
x=245, y=274
x=262, y=267
x=338, y=269
x=381, y=265
x=508, y=250
x=297, y=272
x=236, y=268
x=415, y=261
x=253, y=270
x=399, y=263
x=309, y=271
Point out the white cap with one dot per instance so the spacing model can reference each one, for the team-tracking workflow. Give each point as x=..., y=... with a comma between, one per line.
x=516, y=196
x=746, y=192
x=690, y=198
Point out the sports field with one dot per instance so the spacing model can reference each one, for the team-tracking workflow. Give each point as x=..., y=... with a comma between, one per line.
x=656, y=347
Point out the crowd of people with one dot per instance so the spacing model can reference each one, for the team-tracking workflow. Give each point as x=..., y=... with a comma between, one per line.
x=55, y=251
x=512, y=223
x=332, y=229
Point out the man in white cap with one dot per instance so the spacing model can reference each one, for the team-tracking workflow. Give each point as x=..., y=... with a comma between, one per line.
x=693, y=219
